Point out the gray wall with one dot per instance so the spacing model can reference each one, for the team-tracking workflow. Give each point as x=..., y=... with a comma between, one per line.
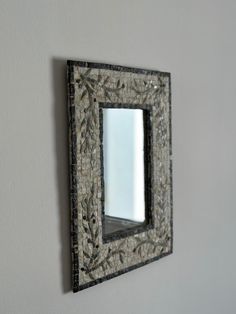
x=195, y=41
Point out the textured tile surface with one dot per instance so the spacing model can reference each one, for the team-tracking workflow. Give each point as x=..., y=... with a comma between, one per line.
x=91, y=85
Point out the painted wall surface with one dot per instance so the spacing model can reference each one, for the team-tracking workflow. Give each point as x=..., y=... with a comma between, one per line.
x=195, y=41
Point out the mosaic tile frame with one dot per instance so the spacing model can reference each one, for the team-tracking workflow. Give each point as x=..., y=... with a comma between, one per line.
x=90, y=84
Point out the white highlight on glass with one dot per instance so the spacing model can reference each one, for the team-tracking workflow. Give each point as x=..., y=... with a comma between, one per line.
x=123, y=161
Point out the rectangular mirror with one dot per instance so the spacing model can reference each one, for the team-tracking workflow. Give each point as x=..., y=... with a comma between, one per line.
x=123, y=164
x=120, y=169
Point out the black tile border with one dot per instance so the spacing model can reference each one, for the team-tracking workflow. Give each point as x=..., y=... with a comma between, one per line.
x=73, y=169
x=73, y=178
x=115, y=67
x=171, y=163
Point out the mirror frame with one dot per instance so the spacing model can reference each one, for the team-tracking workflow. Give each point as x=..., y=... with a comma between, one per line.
x=96, y=258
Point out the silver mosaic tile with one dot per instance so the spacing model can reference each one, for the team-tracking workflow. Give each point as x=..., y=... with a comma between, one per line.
x=89, y=85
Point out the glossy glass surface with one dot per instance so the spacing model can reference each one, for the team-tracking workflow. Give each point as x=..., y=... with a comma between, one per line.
x=123, y=161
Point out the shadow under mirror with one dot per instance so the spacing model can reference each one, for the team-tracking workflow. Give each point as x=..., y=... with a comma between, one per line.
x=124, y=148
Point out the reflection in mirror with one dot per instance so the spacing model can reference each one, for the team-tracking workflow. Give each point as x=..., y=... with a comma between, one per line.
x=123, y=169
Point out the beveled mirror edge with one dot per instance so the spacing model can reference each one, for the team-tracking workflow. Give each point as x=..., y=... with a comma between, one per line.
x=73, y=172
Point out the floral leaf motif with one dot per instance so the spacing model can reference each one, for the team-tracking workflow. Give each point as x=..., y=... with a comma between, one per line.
x=135, y=84
x=88, y=126
x=118, y=83
x=156, y=90
x=96, y=233
x=92, y=235
x=83, y=94
x=162, y=128
x=89, y=121
x=99, y=78
x=108, y=90
x=86, y=254
x=86, y=73
x=106, y=80
x=106, y=94
x=91, y=276
x=121, y=258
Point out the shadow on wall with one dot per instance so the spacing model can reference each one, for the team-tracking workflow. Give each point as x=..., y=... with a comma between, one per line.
x=59, y=85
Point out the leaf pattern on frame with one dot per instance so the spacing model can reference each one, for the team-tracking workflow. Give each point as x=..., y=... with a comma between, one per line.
x=98, y=260
x=92, y=255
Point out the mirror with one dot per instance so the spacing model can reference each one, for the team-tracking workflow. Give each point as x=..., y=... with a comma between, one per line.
x=123, y=168
x=120, y=169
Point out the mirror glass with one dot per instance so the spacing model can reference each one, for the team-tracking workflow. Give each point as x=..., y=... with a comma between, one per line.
x=123, y=168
